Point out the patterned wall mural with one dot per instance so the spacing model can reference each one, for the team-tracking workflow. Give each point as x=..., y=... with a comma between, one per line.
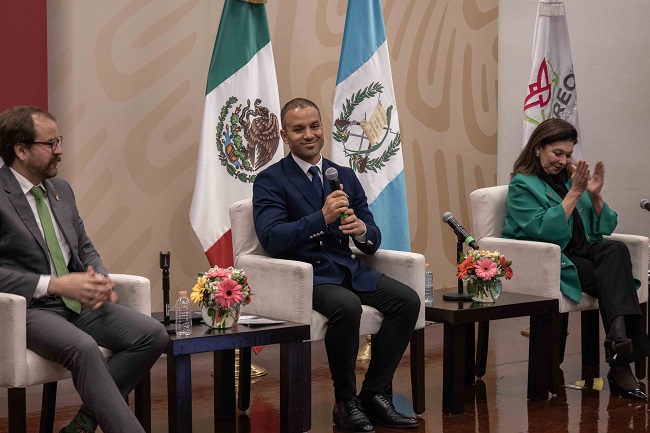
x=127, y=82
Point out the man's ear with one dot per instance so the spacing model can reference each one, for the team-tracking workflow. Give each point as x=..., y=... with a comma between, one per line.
x=21, y=151
x=284, y=136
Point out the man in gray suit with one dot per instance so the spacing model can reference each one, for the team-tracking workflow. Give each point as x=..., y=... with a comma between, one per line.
x=47, y=257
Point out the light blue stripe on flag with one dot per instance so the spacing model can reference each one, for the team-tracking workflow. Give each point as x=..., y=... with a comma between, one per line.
x=364, y=33
x=364, y=62
x=391, y=215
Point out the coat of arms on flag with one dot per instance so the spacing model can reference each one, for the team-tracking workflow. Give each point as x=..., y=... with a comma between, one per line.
x=361, y=136
x=247, y=139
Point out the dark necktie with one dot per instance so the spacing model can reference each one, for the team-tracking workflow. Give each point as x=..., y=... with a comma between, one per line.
x=53, y=243
x=315, y=180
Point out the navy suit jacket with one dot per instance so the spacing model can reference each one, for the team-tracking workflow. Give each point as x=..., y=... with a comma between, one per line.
x=23, y=252
x=290, y=225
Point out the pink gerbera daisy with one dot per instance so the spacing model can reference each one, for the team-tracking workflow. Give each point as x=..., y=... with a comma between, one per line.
x=228, y=293
x=485, y=268
x=219, y=273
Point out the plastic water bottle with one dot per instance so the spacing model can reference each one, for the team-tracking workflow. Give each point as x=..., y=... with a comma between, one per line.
x=183, y=314
x=428, y=285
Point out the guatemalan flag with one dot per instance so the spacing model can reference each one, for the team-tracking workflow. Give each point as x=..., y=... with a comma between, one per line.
x=240, y=132
x=552, y=85
x=365, y=133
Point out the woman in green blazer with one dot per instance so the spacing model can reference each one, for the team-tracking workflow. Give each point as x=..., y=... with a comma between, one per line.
x=552, y=199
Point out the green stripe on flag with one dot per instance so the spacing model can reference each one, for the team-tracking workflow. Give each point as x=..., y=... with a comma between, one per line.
x=243, y=31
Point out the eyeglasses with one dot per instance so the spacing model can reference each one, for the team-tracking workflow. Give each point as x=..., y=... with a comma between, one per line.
x=53, y=144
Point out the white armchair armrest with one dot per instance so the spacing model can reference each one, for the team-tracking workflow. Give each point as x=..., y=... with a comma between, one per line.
x=12, y=340
x=407, y=268
x=282, y=289
x=535, y=265
x=133, y=291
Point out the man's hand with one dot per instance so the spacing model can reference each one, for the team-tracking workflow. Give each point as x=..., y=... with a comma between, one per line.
x=352, y=225
x=88, y=287
x=335, y=204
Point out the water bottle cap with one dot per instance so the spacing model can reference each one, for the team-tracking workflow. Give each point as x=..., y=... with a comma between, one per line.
x=182, y=293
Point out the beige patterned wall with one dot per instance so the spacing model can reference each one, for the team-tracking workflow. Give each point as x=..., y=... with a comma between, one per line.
x=127, y=81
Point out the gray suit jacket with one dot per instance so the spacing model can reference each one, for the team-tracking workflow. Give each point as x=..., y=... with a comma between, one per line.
x=23, y=252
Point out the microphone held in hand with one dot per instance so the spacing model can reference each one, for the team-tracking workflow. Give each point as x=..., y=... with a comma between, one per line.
x=332, y=176
x=645, y=204
x=460, y=231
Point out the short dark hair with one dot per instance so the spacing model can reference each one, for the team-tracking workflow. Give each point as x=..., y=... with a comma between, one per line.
x=17, y=126
x=296, y=103
x=548, y=132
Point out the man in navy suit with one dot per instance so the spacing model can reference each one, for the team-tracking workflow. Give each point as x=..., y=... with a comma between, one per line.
x=47, y=257
x=297, y=218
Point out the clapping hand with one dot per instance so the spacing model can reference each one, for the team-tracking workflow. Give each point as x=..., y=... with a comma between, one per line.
x=580, y=177
x=596, y=182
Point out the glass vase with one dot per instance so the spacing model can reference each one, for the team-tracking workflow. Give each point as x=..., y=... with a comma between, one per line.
x=220, y=318
x=484, y=291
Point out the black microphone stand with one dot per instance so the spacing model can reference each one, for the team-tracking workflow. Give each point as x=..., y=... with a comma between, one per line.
x=459, y=296
x=165, y=259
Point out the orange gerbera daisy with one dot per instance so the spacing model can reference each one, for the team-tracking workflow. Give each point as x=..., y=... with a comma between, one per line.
x=465, y=266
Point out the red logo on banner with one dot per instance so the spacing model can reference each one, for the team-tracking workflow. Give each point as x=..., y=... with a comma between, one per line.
x=539, y=92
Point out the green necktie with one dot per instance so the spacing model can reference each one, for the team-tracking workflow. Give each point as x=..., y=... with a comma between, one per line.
x=53, y=243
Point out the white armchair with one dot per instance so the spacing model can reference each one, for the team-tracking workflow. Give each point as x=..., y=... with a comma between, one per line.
x=21, y=368
x=283, y=290
x=537, y=268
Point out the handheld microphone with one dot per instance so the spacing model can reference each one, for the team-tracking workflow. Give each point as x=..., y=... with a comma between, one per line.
x=332, y=176
x=645, y=204
x=460, y=231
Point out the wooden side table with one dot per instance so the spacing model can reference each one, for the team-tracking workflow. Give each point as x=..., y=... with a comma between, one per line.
x=289, y=335
x=459, y=320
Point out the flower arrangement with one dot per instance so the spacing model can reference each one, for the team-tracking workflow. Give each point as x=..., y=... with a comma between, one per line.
x=482, y=270
x=221, y=291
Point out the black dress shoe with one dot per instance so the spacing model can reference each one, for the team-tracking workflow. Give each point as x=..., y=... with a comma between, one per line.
x=380, y=410
x=349, y=416
x=634, y=394
x=617, y=347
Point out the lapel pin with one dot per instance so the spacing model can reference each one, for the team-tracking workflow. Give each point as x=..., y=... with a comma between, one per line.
x=56, y=197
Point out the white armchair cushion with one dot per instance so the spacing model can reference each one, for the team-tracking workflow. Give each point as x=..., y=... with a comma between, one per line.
x=20, y=367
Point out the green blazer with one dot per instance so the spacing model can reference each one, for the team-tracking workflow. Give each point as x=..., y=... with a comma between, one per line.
x=534, y=212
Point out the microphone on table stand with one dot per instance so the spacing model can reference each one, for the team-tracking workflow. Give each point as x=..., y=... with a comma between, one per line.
x=165, y=262
x=462, y=237
x=460, y=231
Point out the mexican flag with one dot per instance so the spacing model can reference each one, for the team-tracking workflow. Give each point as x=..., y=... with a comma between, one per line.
x=552, y=85
x=365, y=134
x=240, y=133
